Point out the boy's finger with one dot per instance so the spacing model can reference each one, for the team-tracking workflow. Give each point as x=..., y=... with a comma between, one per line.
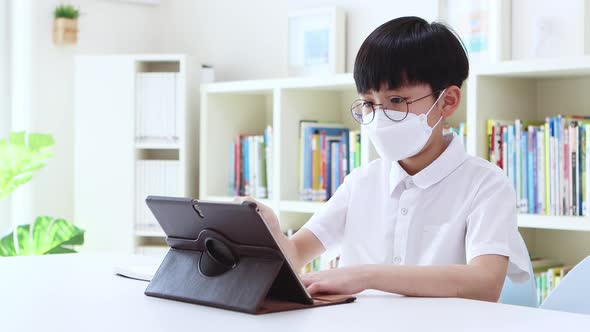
x=315, y=288
x=308, y=281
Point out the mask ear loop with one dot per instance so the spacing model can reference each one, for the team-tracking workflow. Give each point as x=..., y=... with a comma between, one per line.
x=431, y=107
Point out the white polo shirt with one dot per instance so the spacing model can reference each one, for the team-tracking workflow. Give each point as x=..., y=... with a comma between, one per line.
x=457, y=208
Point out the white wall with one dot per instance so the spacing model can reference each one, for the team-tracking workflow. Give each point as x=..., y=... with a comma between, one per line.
x=105, y=27
x=246, y=39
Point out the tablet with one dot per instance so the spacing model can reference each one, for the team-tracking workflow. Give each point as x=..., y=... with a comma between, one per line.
x=184, y=220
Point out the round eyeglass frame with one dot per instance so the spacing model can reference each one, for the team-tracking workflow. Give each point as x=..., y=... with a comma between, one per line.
x=361, y=101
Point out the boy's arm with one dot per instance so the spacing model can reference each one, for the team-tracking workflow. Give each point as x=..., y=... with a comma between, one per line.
x=481, y=279
x=301, y=248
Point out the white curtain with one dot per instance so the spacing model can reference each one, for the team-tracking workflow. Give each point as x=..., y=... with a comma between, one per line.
x=4, y=69
x=4, y=99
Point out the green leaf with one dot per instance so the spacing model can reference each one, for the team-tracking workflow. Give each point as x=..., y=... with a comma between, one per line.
x=61, y=250
x=21, y=156
x=45, y=236
x=7, y=247
x=66, y=11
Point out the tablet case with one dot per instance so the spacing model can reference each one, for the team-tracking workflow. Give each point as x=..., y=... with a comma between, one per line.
x=211, y=269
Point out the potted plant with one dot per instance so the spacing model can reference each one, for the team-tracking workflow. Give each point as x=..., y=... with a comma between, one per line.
x=21, y=155
x=65, y=25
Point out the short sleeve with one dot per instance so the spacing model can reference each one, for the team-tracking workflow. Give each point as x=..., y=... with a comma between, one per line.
x=327, y=224
x=492, y=227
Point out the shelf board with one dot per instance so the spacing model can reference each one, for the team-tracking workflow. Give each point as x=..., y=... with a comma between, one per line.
x=152, y=233
x=300, y=206
x=338, y=81
x=229, y=199
x=156, y=144
x=524, y=220
x=554, y=222
x=537, y=68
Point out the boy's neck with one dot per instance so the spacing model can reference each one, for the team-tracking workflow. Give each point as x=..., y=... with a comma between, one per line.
x=415, y=164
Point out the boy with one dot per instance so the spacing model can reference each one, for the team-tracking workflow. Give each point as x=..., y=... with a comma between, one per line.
x=426, y=219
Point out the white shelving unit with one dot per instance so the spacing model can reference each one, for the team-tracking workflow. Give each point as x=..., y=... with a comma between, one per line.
x=533, y=90
x=516, y=89
x=107, y=149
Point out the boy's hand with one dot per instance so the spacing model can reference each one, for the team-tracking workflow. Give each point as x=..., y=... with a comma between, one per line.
x=346, y=280
x=268, y=215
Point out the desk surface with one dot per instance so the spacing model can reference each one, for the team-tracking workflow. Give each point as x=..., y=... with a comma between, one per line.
x=78, y=292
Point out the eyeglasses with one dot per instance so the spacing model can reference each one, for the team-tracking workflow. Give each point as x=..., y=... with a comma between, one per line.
x=363, y=111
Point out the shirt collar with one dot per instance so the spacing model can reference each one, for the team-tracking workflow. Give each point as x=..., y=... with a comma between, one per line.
x=448, y=161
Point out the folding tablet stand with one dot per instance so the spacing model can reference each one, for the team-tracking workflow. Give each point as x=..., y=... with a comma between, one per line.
x=215, y=271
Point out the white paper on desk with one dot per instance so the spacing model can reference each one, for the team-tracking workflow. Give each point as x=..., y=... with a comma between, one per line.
x=137, y=267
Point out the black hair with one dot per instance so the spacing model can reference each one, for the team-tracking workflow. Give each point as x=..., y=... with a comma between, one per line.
x=407, y=51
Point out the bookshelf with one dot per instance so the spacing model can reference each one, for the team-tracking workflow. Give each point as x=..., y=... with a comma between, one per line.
x=531, y=89
x=111, y=142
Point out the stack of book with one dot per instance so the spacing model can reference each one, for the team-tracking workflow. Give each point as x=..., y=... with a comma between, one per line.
x=328, y=152
x=548, y=273
x=251, y=165
x=153, y=177
x=545, y=161
x=460, y=131
x=316, y=265
x=156, y=104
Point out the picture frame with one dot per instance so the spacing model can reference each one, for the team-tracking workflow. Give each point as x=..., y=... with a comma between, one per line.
x=549, y=29
x=316, y=42
x=485, y=27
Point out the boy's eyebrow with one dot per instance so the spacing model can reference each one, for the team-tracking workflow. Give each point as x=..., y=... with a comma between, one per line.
x=365, y=96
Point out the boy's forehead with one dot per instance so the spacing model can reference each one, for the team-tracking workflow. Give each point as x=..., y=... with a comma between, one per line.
x=406, y=89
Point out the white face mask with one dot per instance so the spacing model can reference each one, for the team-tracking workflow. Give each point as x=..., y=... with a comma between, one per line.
x=396, y=141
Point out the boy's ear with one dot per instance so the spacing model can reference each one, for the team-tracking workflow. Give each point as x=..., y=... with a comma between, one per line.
x=451, y=100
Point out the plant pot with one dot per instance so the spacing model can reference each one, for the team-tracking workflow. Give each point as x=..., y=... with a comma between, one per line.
x=65, y=31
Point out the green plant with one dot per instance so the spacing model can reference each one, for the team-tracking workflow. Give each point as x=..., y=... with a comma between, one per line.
x=45, y=236
x=66, y=11
x=21, y=155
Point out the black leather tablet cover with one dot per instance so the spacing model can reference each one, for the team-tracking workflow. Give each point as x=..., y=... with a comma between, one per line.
x=223, y=255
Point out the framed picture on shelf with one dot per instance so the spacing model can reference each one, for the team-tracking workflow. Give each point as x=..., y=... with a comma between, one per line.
x=316, y=42
x=483, y=25
x=550, y=29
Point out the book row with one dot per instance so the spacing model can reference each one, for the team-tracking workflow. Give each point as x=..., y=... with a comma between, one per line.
x=251, y=165
x=546, y=162
x=153, y=177
x=548, y=274
x=328, y=152
x=156, y=106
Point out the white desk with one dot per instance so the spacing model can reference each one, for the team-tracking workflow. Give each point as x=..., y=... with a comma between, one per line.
x=79, y=293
